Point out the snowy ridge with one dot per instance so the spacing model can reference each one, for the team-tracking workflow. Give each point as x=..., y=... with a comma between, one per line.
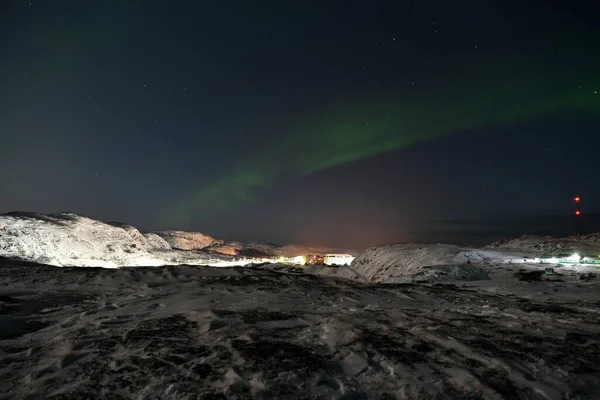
x=68, y=239
x=413, y=262
x=380, y=264
x=550, y=246
x=183, y=240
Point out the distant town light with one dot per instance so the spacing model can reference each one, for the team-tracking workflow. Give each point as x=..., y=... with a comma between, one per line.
x=299, y=260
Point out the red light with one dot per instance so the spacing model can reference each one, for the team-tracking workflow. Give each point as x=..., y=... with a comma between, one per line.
x=577, y=199
x=577, y=212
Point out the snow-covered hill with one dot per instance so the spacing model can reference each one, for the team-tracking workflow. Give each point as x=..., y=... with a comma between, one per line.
x=425, y=262
x=182, y=240
x=380, y=264
x=68, y=239
x=229, y=248
x=547, y=246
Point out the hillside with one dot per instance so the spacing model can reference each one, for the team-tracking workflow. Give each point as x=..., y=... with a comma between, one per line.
x=547, y=246
x=182, y=240
x=382, y=263
x=67, y=239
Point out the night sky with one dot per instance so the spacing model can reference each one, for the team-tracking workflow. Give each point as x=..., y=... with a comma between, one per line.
x=342, y=123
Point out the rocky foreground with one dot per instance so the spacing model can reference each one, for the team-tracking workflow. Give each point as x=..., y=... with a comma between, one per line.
x=183, y=332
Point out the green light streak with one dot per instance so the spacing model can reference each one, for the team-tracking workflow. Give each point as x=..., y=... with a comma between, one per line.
x=501, y=94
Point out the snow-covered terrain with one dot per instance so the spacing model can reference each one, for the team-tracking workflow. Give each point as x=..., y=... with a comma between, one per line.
x=189, y=332
x=70, y=240
x=409, y=262
x=182, y=240
x=406, y=321
x=550, y=246
x=67, y=239
x=378, y=264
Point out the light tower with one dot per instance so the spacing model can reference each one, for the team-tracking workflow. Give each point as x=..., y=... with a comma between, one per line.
x=578, y=227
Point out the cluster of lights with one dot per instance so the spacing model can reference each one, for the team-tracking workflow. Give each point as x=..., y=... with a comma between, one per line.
x=300, y=260
x=574, y=258
x=329, y=259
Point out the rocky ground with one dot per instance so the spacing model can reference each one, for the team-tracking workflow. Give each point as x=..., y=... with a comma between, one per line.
x=183, y=332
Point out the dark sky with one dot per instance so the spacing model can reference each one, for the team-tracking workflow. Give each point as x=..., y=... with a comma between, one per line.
x=344, y=123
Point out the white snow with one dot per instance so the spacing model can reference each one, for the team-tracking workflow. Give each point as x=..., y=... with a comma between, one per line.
x=68, y=239
x=156, y=242
x=410, y=262
x=379, y=264
x=182, y=240
x=185, y=332
x=71, y=240
x=547, y=246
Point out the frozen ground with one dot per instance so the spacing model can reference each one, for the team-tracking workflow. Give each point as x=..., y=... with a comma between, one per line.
x=186, y=332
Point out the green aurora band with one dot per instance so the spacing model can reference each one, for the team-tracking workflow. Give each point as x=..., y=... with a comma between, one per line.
x=503, y=94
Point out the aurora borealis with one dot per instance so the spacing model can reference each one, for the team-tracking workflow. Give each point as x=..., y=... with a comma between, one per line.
x=353, y=135
x=260, y=121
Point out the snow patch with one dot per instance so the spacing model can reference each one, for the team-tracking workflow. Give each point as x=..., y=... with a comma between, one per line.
x=195, y=332
x=547, y=246
x=420, y=262
x=71, y=240
x=182, y=240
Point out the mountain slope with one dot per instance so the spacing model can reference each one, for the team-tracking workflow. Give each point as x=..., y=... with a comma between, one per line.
x=69, y=239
